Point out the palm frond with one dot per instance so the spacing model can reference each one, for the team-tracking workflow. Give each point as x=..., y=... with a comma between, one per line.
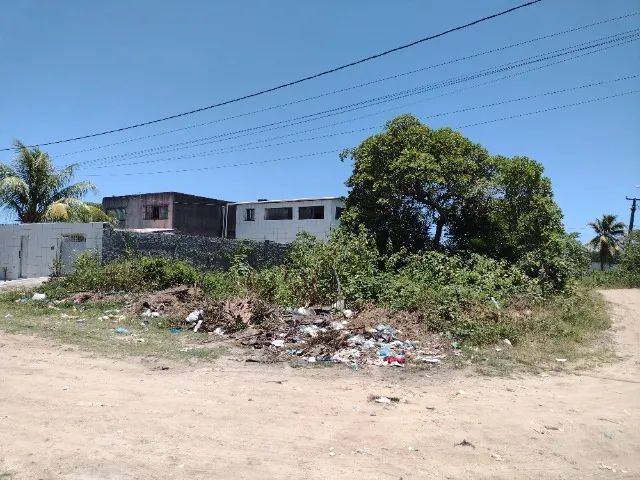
x=77, y=190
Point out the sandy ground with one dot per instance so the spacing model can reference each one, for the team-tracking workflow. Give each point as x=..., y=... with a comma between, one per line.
x=66, y=414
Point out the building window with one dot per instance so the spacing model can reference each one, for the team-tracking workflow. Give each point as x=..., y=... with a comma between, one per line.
x=249, y=214
x=311, y=213
x=339, y=211
x=281, y=213
x=156, y=212
x=119, y=213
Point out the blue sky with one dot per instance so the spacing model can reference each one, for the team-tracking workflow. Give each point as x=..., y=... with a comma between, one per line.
x=76, y=67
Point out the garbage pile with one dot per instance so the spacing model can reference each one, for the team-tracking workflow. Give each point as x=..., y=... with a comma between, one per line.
x=306, y=334
x=316, y=335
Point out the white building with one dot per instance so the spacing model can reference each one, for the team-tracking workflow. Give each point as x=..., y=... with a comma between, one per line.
x=281, y=220
x=29, y=250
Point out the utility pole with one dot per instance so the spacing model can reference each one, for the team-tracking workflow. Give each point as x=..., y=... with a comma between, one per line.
x=633, y=211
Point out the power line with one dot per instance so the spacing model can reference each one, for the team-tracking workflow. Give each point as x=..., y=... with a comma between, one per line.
x=611, y=40
x=584, y=102
x=235, y=149
x=353, y=87
x=223, y=166
x=232, y=149
x=294, y=82
x=185, y=170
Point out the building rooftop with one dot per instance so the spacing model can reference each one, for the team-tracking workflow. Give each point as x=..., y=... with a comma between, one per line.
x=129, y=195
x=289, y=200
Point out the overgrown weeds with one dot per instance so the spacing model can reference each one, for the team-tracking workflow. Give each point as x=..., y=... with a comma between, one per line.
x=471, y=299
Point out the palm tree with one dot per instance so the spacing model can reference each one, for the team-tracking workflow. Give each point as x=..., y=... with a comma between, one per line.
x=609, y=233
x=36, y=192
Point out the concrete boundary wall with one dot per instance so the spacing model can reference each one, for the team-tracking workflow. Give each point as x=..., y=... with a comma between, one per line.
x=28, y=250
x=206, y=253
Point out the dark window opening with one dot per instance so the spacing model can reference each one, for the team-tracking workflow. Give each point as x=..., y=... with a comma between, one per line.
x=156, y=212
x=281, y=213
x=74, y=237
x=249, y=214
x=339, y=211
x=311, y=213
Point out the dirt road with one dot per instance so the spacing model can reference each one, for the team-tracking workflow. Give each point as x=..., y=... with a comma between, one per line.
x=66, y=414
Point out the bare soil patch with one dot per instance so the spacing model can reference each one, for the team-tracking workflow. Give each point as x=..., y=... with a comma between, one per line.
x=68, y=414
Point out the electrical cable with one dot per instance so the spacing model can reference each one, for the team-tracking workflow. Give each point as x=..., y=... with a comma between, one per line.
x=353, y=87
x=293, y=82
x=612, y=40
x=212, y=167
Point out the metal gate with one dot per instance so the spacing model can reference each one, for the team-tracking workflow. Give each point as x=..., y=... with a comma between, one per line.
x=70, y=247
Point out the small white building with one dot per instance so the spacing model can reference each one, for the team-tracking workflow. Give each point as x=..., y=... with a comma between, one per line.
x=29, y=250
x=281, y=220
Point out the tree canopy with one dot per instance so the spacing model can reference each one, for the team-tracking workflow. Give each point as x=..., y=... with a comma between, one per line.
x=31, y=187
x=414, y=187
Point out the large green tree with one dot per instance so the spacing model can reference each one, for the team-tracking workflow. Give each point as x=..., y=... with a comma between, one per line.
x=609, y=234
x=35, y=191
x=414, y=187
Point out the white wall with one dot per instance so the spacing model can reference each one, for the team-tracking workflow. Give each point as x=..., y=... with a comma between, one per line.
x=285, y=231
x=43, y=245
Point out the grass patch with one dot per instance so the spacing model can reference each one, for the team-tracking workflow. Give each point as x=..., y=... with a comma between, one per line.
x=573, y=328
x=91, y=327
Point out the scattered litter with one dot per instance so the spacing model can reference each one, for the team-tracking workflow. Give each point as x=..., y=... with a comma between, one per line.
x=197, y=326
x=176, y=330
x=385, y=400
x=39, y=296
x=461, y=392
x=429, y=359
x=495, y=303
x=121, y=331
x=303, y=311
x=194, y=316
x=140, y=340
x=311, y=359
x=384, y=352
x=219, y=331
x=496, y=457
x=338, y=325
x=394, y=361
x=561, y=360
x=277, y=343
x=8, y=315
x=347, y=313
x=506, y=341
x=464, y=443
x=412, y=449
x=612, y=468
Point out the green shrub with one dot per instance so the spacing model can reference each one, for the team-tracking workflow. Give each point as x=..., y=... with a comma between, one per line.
x=557, y=263
x=133, y=274
x=314, y=272
x=218, y=285
x=629, y=264
x=460, y=295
